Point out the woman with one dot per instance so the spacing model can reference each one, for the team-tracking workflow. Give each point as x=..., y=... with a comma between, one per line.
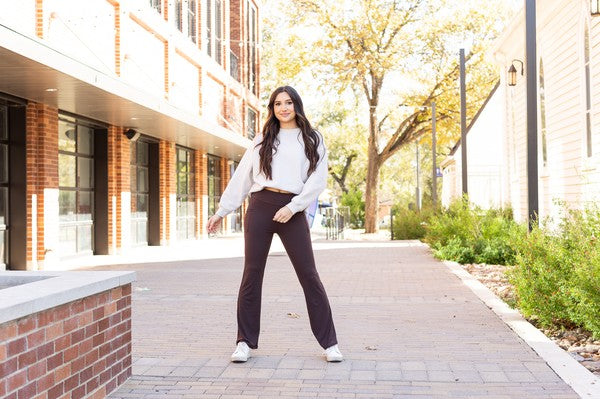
x=284, y=171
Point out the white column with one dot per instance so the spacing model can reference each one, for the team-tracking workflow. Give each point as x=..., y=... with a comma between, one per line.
x=51, y=231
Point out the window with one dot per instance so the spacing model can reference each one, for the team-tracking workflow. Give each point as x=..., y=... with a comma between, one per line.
x=214, y=184
x=75, y=187
x=251, y=123
x=208, y=39
x=218, y=30
x=252, y=44
x=214, y=29
x=543, y=115
x=156, y=5
x=140, y=192
x=234, y=66
x=186, y=199
x=191, y=19
x=588, y=88
x=177, y=17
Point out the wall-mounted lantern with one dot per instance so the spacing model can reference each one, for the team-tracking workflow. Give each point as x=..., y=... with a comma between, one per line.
x=512, y=72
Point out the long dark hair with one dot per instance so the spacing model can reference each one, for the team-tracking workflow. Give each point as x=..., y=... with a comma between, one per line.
x=270, y=133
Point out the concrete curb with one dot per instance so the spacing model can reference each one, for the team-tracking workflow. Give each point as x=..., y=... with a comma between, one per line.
x=583, y=382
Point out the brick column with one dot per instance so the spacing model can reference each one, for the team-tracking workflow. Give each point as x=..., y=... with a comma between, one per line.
x=166, y=150
x=42, y=185
x=119, y=190
x=39, y=18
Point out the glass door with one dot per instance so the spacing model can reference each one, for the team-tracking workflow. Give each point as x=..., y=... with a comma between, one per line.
x=140, y=192
x=75, y=187
x=214, y=184
x=186, y=199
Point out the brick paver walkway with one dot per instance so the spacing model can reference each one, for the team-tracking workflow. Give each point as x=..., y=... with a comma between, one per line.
x=407, y=326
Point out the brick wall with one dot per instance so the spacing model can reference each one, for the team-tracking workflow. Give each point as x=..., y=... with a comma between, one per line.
x=79, y=349
x=42, y=168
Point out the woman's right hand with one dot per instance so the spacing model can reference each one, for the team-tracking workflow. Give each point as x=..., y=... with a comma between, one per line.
x=213, y=223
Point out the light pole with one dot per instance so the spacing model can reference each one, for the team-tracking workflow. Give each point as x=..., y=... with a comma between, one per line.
x=433, y=154
x=433, y=159
x=463, y=122
x=418, y=189
x=532, y=127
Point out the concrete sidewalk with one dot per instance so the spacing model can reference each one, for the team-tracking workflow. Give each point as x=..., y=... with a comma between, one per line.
x=407, y=326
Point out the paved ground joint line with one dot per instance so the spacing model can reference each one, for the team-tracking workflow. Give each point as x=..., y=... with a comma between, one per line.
x=406, y=325
x=584, y=382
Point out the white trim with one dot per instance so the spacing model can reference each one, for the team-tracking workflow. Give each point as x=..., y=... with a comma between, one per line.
x=38, y=291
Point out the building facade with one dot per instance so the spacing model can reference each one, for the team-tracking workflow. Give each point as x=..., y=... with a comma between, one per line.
x=484, y=158
x=568, y=98
x=121, y=122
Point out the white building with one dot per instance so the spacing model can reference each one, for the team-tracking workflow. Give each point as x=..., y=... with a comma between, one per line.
x=568, y=99
x=484, y=157
x=568, y=81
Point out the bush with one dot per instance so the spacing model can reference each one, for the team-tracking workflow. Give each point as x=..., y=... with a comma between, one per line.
x=467, y=234
x=409, y=224
x=353, y=199
x=557, y=275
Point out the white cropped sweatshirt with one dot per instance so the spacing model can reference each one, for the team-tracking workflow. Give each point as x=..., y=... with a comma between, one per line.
x=289, y=169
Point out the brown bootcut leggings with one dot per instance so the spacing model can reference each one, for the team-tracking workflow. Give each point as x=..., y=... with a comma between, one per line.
x=295, y=236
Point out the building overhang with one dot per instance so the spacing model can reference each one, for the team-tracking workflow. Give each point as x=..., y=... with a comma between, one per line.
x=29, y=67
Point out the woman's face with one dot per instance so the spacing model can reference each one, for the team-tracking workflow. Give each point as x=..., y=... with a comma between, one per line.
x=283, y=107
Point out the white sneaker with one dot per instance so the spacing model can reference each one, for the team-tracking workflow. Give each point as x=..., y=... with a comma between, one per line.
x=333, y=354
x=241, y=353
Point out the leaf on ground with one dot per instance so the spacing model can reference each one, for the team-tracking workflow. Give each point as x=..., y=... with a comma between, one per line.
x=371, y=348
x=293, y=315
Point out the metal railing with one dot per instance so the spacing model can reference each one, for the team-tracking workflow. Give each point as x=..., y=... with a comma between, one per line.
x=336, y=221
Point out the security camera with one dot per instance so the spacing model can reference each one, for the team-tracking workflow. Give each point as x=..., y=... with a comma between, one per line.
x=132, y=135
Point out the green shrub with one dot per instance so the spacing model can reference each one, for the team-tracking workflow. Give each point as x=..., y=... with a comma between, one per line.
x=557, y=272
x=353, y=199
x=467, y=234
x=409, y=224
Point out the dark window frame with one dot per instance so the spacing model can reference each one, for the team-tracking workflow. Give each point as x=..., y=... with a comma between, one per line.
x=252, y=27
x=137, y=166
x=190, y=193
x=63, y=117
x=5, y=186
x=214, y=181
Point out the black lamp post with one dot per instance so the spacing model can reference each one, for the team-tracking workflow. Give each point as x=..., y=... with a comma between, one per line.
x=595, y=7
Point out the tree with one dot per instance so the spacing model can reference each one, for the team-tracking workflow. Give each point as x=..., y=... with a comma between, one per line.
x=394, y=52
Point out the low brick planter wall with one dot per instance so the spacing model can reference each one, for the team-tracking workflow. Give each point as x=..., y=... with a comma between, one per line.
x=79, y=349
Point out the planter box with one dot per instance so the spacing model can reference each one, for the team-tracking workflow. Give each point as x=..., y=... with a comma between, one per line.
x=64, y=334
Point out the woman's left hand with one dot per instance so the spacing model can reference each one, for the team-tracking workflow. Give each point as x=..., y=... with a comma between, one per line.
x=283, y=215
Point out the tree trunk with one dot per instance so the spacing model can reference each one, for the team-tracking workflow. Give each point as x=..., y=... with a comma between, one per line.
x=373, y=159
x=371, y=200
